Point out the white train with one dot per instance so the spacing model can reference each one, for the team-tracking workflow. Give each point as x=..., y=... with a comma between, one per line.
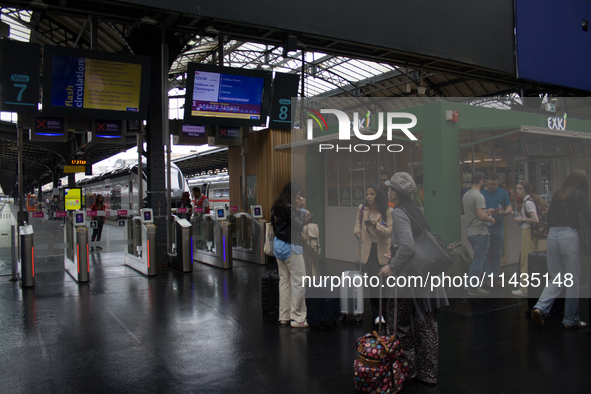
x=215, y=187
x=120, y=190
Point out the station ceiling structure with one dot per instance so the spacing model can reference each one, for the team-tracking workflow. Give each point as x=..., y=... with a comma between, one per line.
x=330, y=67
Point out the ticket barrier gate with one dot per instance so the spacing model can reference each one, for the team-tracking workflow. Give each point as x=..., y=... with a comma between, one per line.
x=27, y=256
x=212, y=241
x=181, y=258
x=76, y=261
x=141, y=253
x=250, y=239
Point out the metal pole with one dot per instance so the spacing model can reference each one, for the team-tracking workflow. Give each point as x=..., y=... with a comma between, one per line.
x=21, y=180
x=244, y=190
x=166, y=135
x=140, y=179
x=221, y=50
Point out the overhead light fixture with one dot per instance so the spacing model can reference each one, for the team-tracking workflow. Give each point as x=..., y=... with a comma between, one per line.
x=421, y=89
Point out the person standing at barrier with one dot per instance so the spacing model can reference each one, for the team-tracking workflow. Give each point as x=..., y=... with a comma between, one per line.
x=529, y=243
x=564, y=255
x=185, y=202
x=498, y=201
x=288, y=223
x=373, y=226
x=477, y=231
x=200, y=200
x=416, y=304
x=98, y=231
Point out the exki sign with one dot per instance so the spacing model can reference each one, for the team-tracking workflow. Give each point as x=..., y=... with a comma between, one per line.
x=346, y=125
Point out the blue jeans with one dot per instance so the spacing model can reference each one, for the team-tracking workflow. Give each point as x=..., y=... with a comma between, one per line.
x=563, y=258
x=480, y=244
x=492, y=262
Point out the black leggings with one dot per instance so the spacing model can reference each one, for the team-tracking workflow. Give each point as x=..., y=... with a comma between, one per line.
x=372, y=268
x=97, y=232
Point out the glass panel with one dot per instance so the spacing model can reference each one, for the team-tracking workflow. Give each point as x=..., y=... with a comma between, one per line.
x=332, y=176
x=344, y=179
x=358, y=177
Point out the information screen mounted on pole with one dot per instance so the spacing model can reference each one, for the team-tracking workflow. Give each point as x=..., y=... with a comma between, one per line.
x=95, y=84
x=228, y=96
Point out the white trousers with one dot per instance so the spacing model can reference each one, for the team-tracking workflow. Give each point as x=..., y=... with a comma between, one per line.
x=292, y=302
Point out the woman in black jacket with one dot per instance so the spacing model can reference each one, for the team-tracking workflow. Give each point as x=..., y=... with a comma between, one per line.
x=564, y=256
x=287, y=247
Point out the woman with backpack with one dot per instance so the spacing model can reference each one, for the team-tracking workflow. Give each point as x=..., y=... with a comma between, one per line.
x=373, y=227
x=415, y=303
x=570, y=205
x=529, y=242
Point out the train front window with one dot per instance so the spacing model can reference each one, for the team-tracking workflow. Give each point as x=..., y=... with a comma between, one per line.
x=174, y=179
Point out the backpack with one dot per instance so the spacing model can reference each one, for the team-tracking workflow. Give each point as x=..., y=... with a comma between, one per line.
x=541, y=229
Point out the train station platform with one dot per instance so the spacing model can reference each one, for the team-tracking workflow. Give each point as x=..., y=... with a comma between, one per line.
x=204, y=332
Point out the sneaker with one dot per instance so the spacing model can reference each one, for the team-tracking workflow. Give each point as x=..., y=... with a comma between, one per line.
x=99, y=248
x=303, y=324
x=518, y=293
x=284, y=322
x=478, y=292
x=581, y=324
x=91, y=248
x=537, y=317
x=377, y=320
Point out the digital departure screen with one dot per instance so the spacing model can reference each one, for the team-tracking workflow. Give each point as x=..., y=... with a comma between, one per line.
x=233, y=97
x=79, y=82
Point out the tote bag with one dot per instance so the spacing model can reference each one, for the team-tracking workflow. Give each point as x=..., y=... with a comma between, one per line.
x=269, y=239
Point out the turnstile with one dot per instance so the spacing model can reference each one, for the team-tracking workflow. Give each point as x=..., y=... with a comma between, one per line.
x=250, y=239
x=212, y=241
x=181, y=257
x=76, y=256
x=141, y=255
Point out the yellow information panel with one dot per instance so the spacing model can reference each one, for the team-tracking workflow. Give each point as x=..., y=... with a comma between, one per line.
x=112, y=85
x=73, y=199
x=74, y=169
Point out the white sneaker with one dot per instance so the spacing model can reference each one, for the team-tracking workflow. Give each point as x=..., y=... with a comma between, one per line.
x=377, y=320
x=518, y=293
x=303, y=324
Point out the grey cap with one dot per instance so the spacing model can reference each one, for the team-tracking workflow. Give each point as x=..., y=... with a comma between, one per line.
x=402, y=182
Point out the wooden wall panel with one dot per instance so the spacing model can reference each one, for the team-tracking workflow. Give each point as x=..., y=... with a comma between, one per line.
x=272, y=168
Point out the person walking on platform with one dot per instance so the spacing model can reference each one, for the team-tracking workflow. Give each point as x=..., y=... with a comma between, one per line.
x=288, y=223
x=529, y=243
x=373, y=225
x=497, y=200
x=477, y=231
x=414, y=303
x=569, y=207
x=98, y=231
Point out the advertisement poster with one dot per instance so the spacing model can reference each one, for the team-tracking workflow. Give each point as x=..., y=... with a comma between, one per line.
x=72, y=198
x=95, y=84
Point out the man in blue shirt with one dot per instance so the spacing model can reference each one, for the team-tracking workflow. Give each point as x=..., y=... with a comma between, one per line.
x=498, y=204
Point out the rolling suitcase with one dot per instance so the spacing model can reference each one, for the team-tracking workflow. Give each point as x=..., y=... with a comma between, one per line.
x=537, y=263
x=270, y=292
x=380, y=365
x=352, y=296
x=322, y=311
